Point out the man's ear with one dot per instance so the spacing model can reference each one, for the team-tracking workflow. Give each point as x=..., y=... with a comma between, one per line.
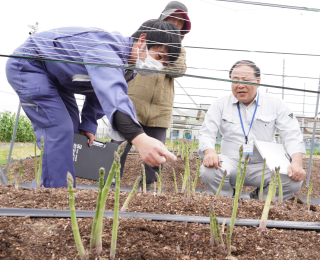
x=258, y=80
x=142, y=41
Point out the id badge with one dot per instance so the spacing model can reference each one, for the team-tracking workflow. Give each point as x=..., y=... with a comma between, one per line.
x=248, y=149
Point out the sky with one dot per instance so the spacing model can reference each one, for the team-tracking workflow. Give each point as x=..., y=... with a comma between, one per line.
x=214, y=24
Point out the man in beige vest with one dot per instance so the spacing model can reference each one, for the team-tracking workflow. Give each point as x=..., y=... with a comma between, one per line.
x=153, y=97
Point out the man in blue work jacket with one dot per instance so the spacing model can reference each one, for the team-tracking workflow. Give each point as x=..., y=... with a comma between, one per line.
x=46, y=89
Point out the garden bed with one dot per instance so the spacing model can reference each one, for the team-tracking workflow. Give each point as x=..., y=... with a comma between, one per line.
x=52, y=238
x=167, y=203
x=133, y=167
x=45, y=238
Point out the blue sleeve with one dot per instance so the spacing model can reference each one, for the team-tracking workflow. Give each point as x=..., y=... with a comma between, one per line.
x=109, y=84
x=90, y=113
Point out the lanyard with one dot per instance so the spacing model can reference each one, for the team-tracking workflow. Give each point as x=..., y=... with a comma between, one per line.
x=255, y=110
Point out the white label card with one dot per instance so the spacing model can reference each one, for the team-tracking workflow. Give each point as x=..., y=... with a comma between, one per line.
x=248, y=149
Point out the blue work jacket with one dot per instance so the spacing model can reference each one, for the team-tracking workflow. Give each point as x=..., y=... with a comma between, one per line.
x=106, y=91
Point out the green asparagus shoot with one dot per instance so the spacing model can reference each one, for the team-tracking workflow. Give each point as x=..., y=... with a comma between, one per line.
x=221, y=183
x=116, y=214
x=280, y=197
x=144, y=178
x=197, y=174
x=236, y=199
x=309, y=193
x=186, y=172
x=133, y=191
x=159, y=183
x=38, y=180
x=35, y=158
x=219, y=232
x=74, y=223
x=102, y=172
x=188, y=189
x=262, y=179
x=229, y=234
x=213, y=230
x=264, y=218
x=18, y=179
x=275, y=185
x=104, y=195
x=243, y=175
x=175, y=180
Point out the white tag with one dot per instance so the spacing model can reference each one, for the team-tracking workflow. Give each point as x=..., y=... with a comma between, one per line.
x=248, y=149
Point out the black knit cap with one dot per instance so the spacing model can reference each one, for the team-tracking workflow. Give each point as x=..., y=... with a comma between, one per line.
x=177, y=7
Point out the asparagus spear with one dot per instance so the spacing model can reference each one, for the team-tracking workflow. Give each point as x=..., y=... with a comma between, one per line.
x=188, y=189
x=214, y=236
x=219, y=232
x=275, y=185
x=263, y=222
x=144, y=179
x=280, y=198
x=197, y=174
x=262, y=179
x=309, y=193
x=74, y=223
x=18, y=179
x=116, y=214
x=243, y=175
x=159, y=183
x=221, y=183
x=135, y=186
x=104, y=195
x=175, y=180
x=187, y=172
x=229, y=234
x=35, y=159
x=40, y=164
x=102, y=172
x=236, y=199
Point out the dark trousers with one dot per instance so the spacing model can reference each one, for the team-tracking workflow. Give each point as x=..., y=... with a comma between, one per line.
x=158, y=133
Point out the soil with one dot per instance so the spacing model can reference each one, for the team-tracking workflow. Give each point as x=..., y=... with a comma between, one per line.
x=133, y=167
x=166, y=203
x=39, y=238
x=52, y=238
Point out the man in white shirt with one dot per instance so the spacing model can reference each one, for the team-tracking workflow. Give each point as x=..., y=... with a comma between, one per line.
x=243, y=117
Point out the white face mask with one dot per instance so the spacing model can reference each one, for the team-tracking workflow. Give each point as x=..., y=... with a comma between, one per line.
x=148, y=63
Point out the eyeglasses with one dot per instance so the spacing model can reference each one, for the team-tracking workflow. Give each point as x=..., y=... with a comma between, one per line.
x=245, y=80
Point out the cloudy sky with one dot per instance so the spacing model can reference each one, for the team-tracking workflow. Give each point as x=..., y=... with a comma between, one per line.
x=214, y=24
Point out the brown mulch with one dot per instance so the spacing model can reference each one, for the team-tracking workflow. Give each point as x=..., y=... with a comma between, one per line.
x=43, y=238
x=133, y=167
x=166, y=203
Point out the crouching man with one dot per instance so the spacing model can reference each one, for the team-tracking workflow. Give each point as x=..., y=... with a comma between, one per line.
x=243, y=117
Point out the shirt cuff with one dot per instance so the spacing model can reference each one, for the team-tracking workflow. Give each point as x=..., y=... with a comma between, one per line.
x=89, y=127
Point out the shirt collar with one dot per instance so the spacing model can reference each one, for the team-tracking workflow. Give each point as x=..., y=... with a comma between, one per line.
x=235, y=100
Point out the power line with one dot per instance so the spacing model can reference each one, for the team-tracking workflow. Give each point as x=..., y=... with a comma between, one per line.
x=157, y=71
x=272, y=5
x=267, y=52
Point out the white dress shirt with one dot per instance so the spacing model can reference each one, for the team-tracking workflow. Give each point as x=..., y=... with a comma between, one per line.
x=272, y=113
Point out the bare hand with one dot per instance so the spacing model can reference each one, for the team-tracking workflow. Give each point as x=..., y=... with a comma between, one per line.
x=89, y=135
x=295, y=170
x=152, y=151
x=211, y=159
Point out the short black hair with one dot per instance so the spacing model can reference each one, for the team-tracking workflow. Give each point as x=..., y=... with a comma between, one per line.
x=161, y=33
x=247, y=63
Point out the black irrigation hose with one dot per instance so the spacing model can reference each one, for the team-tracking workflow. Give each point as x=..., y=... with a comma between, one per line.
x=55, y=213
x=157, y=71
